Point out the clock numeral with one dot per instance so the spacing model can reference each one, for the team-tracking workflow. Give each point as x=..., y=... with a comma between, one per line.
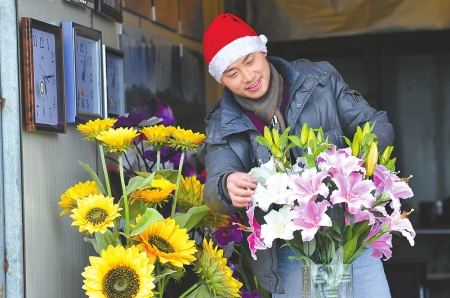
x=41, y=42
x=34, y=40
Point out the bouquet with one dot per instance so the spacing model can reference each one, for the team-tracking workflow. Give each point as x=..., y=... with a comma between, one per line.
x=332, y=203
x=157, y=228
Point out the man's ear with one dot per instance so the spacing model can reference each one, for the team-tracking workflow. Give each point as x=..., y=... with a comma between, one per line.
x=265, y=54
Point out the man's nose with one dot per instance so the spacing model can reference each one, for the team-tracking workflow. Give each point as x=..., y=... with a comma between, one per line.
x=247, y=74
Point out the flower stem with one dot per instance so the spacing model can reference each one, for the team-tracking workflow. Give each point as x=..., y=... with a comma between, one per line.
x=189, y=290
x=125, y=200
x=105, y=170
x=158, y=157
x=175, y=198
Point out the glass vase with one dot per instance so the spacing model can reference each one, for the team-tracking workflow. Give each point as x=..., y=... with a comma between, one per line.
x=327, y=281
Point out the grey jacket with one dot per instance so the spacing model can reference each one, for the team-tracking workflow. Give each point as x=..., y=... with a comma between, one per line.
x=318, y=96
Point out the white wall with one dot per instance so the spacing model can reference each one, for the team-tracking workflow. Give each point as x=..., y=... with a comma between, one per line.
x=55, y=253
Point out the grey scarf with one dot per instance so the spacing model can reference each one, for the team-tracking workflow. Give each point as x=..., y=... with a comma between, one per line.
x=267, y=108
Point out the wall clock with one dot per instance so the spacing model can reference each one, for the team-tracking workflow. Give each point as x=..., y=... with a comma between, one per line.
x=110, y=8
x=83, y=69
x=43, y=73
x=114, y=84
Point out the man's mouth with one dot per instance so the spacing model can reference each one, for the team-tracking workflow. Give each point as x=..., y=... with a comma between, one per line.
x=255, y=85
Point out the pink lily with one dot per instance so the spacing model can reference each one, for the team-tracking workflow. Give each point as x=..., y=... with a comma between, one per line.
x=392, y=185
x=310, y=217
x=306, y=186
x=339, y=161
x=255, y=241
x=354, y=191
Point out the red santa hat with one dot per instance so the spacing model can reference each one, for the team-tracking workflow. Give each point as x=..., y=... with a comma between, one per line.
x=227, y=40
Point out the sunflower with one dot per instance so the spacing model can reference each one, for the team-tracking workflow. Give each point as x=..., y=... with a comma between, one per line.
x=157, y=193
x=78, y=191
x=186, y=139
x=119, y=273
x=117, y=140
x=157, y=135
x=212, y=269
x=92, y=128
x=190, y=195
x=164, y=241
x=95, y=213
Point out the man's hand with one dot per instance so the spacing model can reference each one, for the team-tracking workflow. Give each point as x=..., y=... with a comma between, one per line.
x=241, y=186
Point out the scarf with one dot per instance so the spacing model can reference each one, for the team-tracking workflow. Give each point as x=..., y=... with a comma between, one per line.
x=267, y=108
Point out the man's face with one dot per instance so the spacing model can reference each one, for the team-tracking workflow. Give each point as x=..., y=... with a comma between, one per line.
x=249, y=76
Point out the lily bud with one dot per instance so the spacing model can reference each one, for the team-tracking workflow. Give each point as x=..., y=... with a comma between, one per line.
x=386, y=154
x=359, y=136
x=304, y=134
x=355, y=146
x=311, y=135
x=372, y=159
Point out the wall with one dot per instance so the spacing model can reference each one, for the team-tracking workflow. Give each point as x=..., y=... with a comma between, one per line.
x=55, y=253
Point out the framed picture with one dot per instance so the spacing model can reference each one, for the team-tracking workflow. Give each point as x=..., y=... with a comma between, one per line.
x=43, y=73
x=114, y=81
x=110, y=8
x=83, y=73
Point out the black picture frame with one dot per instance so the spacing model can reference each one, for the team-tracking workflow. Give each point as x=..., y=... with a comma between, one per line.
x=27, y=26
x=110, y=8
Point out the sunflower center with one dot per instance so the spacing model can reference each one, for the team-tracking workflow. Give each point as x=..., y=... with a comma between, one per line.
x=121, y=282
x=161, y=243
x=96, y=215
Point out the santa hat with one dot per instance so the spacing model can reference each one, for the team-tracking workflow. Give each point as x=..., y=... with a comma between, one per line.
x=227, y=40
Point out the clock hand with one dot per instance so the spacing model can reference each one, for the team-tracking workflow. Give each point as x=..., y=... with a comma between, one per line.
x=83, y=75
x=114, y=79
x=44, y=78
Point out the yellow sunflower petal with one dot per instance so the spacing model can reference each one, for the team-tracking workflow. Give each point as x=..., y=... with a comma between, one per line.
x=119, y=272
x=95, y=213
x=117, y=140
x=92, y=128
x=164, y=241
x=79, y=191
x=157, y=135
x=186, y=139
x=213, y=271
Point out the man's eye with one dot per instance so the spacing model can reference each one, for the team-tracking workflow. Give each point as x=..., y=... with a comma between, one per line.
x=232, y=75
x=251, y=61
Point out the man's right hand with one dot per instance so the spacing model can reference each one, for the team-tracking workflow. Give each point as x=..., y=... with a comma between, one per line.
x=241, y=186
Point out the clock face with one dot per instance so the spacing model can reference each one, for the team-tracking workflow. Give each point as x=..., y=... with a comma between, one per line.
x=45, y=80
x=115, y=84
x=88, y=75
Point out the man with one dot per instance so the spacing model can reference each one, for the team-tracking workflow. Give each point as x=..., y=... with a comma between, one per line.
x=269, y=91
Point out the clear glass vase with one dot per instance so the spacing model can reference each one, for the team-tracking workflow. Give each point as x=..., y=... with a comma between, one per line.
x=327, y=281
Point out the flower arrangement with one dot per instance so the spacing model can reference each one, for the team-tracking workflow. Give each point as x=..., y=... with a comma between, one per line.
x=158, y=228
x=331, y=204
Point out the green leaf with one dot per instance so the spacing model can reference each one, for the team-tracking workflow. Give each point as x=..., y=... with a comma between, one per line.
x=139, y=182
x=162, y=274
x=93, y=241
x=99, y=184
x=189, y=219
x=136, y=208
x=149, y=217
x=168, y=174
x=200, y=292
x=263, y=141
x=104, y=240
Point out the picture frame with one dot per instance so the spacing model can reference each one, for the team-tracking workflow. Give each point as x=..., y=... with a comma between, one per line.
x=114, y=81
x=83, y=73
x=43, y=76
x=110, y=8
